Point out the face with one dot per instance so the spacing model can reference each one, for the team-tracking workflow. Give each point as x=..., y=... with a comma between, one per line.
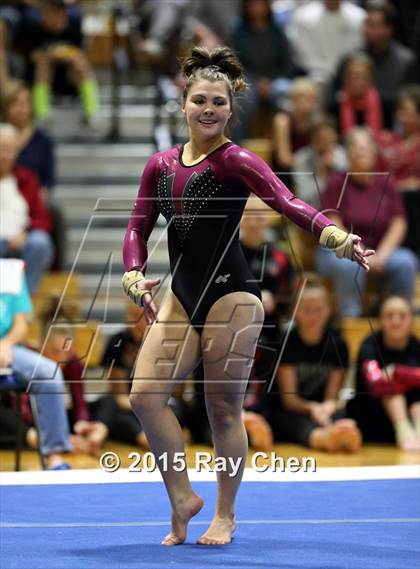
x=396, y=319
x=361, y=154
x=408, y=116
x=207, y=109
x=324, y=140
x=53, y=19
x=377, y=31
x=19, y=111
x=256, y=219
x=332, y=4
x=304, y=101
x=357, y=78
x=257, y=9
x=57, y=348
x=8, y=154
x=313, y=311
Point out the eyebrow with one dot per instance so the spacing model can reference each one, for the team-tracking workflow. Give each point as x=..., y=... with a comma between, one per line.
x=204, y=96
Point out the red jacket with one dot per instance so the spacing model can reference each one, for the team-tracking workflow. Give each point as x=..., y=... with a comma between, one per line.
x=29, y=187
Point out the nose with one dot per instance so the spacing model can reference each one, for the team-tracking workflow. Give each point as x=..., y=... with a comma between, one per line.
x=208, y=111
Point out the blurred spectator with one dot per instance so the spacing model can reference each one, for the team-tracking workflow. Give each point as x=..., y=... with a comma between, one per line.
x=55, y=58
x=266, y=55
x=24, y=220
x=269, y=265
x=211, y=25
x=358, y=103
x=36, y=153
x=31, y=369
x=315, y=162
x=305, y=408
x=291, y=127
x=393, y=65
x=369, y=204
x=36, y=147
x=119, y=361
x=57, y=331
x=387, y=357
x=324, y=31
x=157, y=40
x=401, y=150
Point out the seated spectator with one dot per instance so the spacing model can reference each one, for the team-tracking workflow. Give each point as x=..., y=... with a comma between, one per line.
x=269, y=265
x=401, y=150
x=370, y=204
x=24, y=220
x=387, y=401
x=55, y=56
x=36, y=153
x=266, y=55
x=210, y=26
x=322, y=33
x=305, y=408
x=291, y=128
x=42, y=376
x=119, y=362
x=36, y=148
x=315, y=162
x=358, y=103
x=90, y=434
x=393, y=64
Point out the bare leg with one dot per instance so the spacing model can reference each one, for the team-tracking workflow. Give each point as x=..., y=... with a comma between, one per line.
x=169, y=352
x=414, y=411
x=396, y=408
x=228, y=344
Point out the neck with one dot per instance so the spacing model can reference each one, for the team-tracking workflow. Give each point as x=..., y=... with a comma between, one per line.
x=196, y=148
x=362, y=178
x=379, y=47
x=395, y=343
x=310, y=335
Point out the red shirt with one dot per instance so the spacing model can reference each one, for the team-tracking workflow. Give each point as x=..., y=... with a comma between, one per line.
x=366, y=210
x=29, y=187
x=401, y=158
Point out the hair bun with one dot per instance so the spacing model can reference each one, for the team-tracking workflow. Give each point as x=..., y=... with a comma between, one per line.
x=222, y=59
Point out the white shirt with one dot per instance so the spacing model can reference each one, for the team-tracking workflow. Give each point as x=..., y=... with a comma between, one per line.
x=14, y=210
x=322, y=38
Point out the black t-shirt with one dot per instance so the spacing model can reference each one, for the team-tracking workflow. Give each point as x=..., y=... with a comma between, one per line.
x=38, y=37
x=373, y=348
x=120, y=352
x=314, y=362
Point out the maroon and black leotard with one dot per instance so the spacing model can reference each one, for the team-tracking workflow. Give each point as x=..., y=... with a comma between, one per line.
x=203, y=205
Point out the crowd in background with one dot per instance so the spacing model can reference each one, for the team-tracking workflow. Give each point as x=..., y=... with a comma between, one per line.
x=338, y=85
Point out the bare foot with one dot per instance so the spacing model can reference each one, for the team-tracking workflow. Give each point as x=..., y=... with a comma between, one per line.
x=411, y=444
x=259, y=431
x=220, y=531
x=180, y=518
x=343, y=435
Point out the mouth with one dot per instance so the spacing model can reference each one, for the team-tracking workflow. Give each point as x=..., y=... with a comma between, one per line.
x=207, y=122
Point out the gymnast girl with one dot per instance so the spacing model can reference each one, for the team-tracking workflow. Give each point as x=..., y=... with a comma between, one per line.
x=213, y=310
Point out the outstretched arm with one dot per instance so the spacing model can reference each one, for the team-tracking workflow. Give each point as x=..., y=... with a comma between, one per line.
x=262, y=181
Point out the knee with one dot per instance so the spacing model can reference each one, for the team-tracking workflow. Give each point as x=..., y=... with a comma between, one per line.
x=48, y=371
x=404, y=261
x=143, y=401
x=223, y=415
x=39, y=242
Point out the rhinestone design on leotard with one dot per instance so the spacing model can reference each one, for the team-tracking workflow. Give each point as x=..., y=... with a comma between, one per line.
x=198, y=190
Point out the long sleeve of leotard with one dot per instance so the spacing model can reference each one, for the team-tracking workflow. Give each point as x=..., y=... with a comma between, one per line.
x=263, y=182
x=143, y=218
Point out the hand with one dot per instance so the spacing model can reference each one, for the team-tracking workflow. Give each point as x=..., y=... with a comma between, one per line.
x=359, y=254
x=133, y=283
x=321, y=412
x=268, y=301
x=150, y=310
x=6, y=354
x=16, y=243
